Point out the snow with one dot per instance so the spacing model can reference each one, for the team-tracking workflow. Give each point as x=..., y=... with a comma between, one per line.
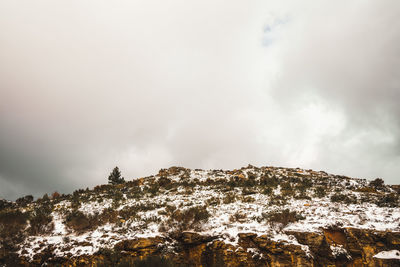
x=391, y=254
x=338, y=250
x=290, y=239
x=318, y=213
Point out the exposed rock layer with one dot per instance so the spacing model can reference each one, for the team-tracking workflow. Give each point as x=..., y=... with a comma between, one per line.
x=191, y=249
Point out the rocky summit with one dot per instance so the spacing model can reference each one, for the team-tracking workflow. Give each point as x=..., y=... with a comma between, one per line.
x=253, y=216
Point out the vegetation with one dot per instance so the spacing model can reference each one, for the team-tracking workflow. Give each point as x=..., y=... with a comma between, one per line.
x=184, y=220
x=179, y=200
x=115, y=177
x=12, y=225
x=378, y=183
x=282, y=217
x=41, y=221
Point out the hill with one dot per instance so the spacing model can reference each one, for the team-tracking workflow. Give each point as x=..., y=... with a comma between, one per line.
x=267, y=216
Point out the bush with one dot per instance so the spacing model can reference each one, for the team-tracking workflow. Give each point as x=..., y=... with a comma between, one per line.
x=287, y=189
x=248, y=199
x=4, y=204
x=41, y=221
x=229, y=198
x=117, y=197
x=12, y=225
x=128, y=212
x=246, y=191
x=269, y=181
x=23, y=201
x=267, y=191
x=378, y=183
x=55, y=195
x=282, y=217
x=320, y=192
x=339, y=198
x=165, y=182
x=78, y=221
x=302, y=195
x=389, y=200
x=213, y=201
x=238, y=217
x=189, y=219
x=153, y=189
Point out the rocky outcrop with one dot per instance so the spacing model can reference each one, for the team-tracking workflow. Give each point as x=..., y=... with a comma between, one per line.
x=332, y=247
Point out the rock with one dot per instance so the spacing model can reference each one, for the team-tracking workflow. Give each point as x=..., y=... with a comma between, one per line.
x=139, y=244
x=194, y=249
x=191, y=238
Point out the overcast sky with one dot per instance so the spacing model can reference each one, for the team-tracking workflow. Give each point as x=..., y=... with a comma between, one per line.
x=88, y=85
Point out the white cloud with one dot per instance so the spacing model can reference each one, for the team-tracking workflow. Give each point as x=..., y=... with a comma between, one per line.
x=86, y=85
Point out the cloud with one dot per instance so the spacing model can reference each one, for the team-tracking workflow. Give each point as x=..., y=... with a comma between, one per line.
x=85, y=86
x=347, y=56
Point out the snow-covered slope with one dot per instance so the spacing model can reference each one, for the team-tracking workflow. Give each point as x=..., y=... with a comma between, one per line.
x=266, y=200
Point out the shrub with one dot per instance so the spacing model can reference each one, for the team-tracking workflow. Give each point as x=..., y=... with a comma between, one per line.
x=189, y=219
x=229, y=198
x=237, y=217
x=302, y=188
x=302, y=195
x=213, y=201
x=251, y=175
x=378, y=183
x=389, y=200
x=109, y=215
x=286, y=189
x=41, y=221
x=278, y=200
x=75, y=202
x=165, y=182
x=134, y=192
x=12, y=225
x=23, y=201
x=269, y=181
x=320, y=192
x=55, y=195
x=78, y=221
x=282, y=217
x=45, y=197
x=128, y=212
x=339, y=198
x=4, y=204
x=246, y=191
x=248, y=199
x=117, y=197
x=153, y=189
x=267, y=191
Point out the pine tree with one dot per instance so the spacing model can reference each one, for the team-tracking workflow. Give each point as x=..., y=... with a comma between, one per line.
x=115, y=177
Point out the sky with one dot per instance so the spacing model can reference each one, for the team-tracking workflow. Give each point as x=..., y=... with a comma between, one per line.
x=88, y=85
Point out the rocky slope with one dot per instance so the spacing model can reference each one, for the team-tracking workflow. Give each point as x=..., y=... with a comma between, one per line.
x=252, y=216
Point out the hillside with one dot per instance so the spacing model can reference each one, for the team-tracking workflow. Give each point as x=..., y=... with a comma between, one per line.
x=267, y=216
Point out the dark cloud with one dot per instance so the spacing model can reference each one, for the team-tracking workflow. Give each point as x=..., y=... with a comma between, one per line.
x=149, y=85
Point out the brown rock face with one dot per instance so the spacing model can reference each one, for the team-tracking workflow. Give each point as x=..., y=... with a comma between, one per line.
x=193, y=249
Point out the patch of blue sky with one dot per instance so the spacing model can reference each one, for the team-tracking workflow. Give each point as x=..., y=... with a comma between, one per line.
x=270, y=30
